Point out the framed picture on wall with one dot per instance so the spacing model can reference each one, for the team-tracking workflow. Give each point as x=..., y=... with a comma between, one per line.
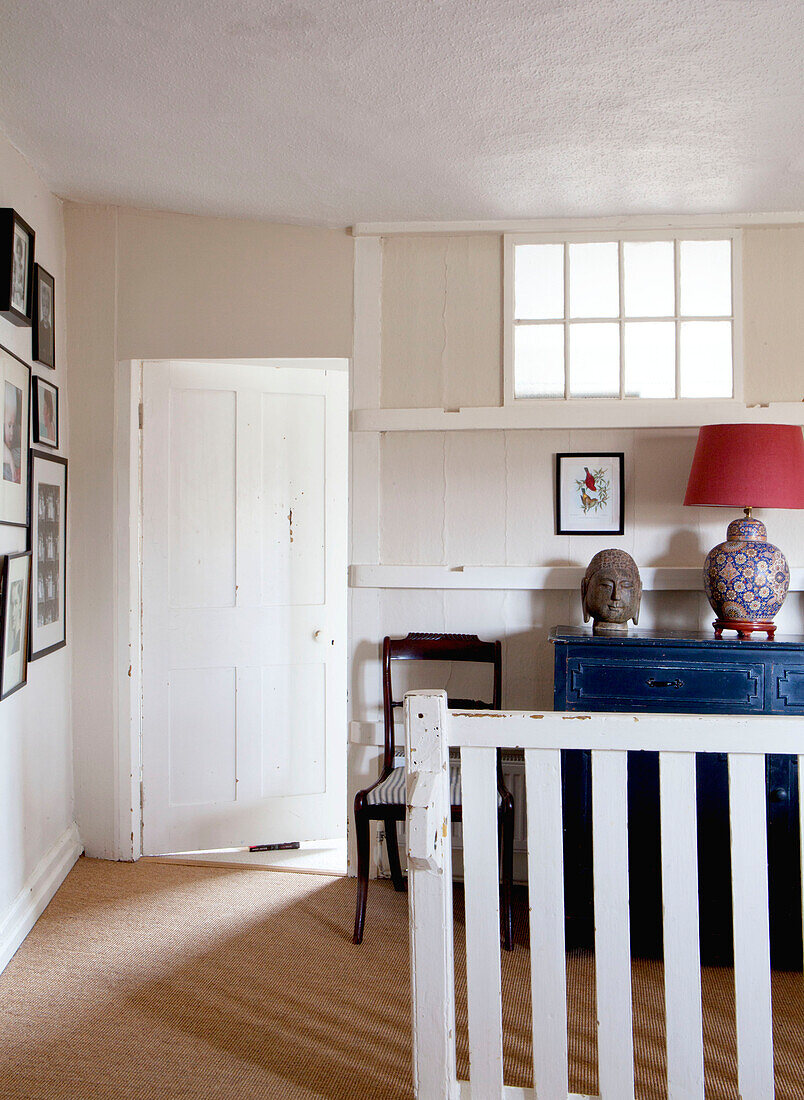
x=48, y=535
x=16, y=268
x=43, y=339
x=590, y=493
x=15, y=599
x=45, y=412
x=15, y=387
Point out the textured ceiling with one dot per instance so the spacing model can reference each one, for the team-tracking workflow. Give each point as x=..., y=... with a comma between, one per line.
x=337, y=111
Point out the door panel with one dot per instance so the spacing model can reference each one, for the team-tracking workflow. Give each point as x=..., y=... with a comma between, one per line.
x=294, y=746
x=202, y=456
x=294, y=533
x=244, y=605
x=203, y=736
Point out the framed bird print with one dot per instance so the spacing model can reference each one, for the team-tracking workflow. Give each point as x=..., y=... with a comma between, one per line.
x=590, y=493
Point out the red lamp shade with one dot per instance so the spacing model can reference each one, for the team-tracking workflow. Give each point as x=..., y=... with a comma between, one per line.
x=748, y=465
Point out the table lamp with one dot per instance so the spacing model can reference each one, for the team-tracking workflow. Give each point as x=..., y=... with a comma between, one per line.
x=747, y=466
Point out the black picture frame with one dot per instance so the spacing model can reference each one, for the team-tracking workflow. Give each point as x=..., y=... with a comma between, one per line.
x=16, y=287
x=20, y=637
x=15, y=374
x=48, y=631
x=43, y=329
x=578, y=504
x=41, y=390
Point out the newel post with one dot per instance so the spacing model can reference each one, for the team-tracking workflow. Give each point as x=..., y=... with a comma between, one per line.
x=429, y=852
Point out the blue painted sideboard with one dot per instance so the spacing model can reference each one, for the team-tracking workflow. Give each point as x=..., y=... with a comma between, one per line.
x=682, y=673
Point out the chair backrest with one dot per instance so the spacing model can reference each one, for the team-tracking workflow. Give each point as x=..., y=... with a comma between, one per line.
x=437, y=647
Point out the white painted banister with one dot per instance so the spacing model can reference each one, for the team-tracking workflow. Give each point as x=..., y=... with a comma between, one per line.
x=682, y=953
x=723, y=733
x=548, y=972
x=482, y=905
x=431, y=729
x=749, y=883
x=430, y=897
x=615, y=1049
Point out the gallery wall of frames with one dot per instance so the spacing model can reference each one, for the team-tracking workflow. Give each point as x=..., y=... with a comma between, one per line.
x=33, y=487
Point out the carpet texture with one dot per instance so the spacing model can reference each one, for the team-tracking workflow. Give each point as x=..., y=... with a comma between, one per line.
x=161, y=981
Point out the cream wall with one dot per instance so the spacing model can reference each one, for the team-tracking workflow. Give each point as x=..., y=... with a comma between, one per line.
x=37, y=844
x=150, y=286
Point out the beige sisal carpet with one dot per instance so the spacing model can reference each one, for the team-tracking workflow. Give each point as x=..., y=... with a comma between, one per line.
x=161, y=981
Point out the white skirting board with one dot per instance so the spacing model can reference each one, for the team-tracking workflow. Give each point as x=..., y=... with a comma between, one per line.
x=34, y=897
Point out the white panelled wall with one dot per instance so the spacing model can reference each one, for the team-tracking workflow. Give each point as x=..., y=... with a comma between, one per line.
x=428, y=335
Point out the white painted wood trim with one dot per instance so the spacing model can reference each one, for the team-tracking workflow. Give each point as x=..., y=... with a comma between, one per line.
x=752, y=734
x=759, y=733
x=738, y=343
x=615, y=1049
x=600, y=413
x=569, y=225
x=307, y=363
x=482, y=901
x=752, y=979
x=367, y=351
x=567, y=578
x=365, y=457
x=128, y=678
x=508, y=287
x=548, y=974
x=682, y=954
x=37, y=892
x=430, y=896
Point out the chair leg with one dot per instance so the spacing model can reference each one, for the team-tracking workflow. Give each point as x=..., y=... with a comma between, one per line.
x=392, y=846
x=362, y=837
x=507, y=876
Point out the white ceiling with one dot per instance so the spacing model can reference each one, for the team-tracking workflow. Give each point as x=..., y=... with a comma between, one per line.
x=337, y=111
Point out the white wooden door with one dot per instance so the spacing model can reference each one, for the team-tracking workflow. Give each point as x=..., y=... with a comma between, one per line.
x=244, y=603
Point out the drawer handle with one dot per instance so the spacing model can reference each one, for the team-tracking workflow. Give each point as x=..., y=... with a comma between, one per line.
x=664, y=683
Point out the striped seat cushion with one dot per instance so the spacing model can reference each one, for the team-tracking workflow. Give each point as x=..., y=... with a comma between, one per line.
x=391, y=792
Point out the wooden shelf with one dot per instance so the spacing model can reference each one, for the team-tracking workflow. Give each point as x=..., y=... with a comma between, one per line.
x=531, y=578
x=597, y=413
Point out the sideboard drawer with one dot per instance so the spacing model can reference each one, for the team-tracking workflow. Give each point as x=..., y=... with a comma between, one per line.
x=641, y=683
x=788, y=696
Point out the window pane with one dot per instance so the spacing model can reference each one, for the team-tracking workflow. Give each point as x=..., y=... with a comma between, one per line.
x=594, y=286
x=594, y=360
x=650, y=359
x=649, y=279
x=706, y=278
x=706, y=369
x=539, y=281
x=539, y=361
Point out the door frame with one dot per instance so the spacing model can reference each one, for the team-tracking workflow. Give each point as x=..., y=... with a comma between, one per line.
x=127, y=739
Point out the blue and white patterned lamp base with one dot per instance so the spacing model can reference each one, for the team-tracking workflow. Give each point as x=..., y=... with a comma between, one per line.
x=746, y=579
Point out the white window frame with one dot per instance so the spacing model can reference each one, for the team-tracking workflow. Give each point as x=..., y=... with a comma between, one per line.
x=656, y=406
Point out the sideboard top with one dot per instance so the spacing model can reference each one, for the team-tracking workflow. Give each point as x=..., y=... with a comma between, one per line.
x=562, y=635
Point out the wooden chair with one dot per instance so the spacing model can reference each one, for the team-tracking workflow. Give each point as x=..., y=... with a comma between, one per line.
x=385, y=800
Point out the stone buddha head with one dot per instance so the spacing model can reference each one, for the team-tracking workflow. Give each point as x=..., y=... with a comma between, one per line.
x=611, y=592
